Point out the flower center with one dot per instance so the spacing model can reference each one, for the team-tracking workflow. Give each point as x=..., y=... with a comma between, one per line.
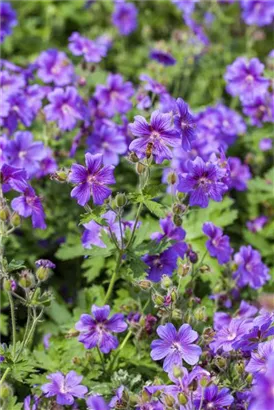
x=22, y=154
x=231, y=336
x=249, y=78
x=176, y=346
x=63, y=388
x=66, y=109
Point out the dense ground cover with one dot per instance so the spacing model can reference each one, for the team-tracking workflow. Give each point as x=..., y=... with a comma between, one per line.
x=136, y=205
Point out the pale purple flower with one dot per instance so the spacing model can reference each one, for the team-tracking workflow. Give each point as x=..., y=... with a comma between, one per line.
x=262, y=391
x=175, y=346
x=12, y=177
x=55, y=67
x=159, y=134
x=114, y=97
x=229, y=334
x=64, y=387
x=96, y=402
x=153, y=85
x=256, y=224
x=96, y=330
x=202, y=181
x=214, y=398
x=239, y=174
x=92, y=180
x=244, y=79
x=258, y=361
x=265, y=144
x=124, y=18
x=11, y=82
x=92, y=50
x=185, y=123
x=15, y=108
x=259, y=12
x=218, y=244
x=162, y=57
x=261, y=109
x=25, y=153
x=7, y=20
x=45, y=263
x=47, y=165
x=251, y=270
x=65, y=107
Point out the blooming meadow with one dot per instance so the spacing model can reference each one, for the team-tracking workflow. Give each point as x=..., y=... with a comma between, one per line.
x=136, y=205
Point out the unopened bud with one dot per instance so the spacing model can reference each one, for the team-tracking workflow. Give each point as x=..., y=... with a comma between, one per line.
x=169, y=400
x=7, y=285
x=5, y=391
x=193, y=257
x=172, y=178
x=200, y=314
x=184, y=269
x=179, y=209
x=249, y=378
x=182, y=399
x=26, y=279
x=4, y=214
x=180, y=196
x=60, y=175
x=220, y=362
x=166, y=282
x=173, y=295
x=177, y=372
x=15, y=220
x=176, y=314
x=144, y=284
x=177, y=220
x=133, y=157
x=140, y=168
x=240, y=368
x=204, y=268
x=72, y=333
x=158, y=299
x=42, y=274
x=204, y=381
x=208, y=334
x=120, y=200
x=82, y=81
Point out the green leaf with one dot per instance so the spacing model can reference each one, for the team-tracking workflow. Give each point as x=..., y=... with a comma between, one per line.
x=15, y=265
x=92, y=267
x=155, y=208
x=94, y=215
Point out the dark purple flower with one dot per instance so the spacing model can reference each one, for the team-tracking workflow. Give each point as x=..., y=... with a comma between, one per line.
x=218, y=244
x=197, y=30
x=203, y=181
x=93, y=51
x=152, y=85
x=124, y=18
x=185, y=123
x=175, y=346
x=159, y=134
x=262, y=391
x=251, y=270
x=256, y=224
x=107, y=140
x=97, y=330
x=97, y=403
x=92, y=180
x=65, y=107
x=265, y=144
x=24, y=153
x=244, y=79
x=114, y=97
x=229, y=334
x=256, y=336
x=7, y=20
x=29, y=204
x=259, y=12
x=54, y=66
x=45, y=263
x=12, y=177
x=259, y=358
x=214, y=398
x=64, y=387
x=162, y=57
x=239, y=174
x=163, y=264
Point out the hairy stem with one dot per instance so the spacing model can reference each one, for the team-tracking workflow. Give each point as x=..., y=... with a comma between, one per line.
x=3, y=378
x=13, y=324
x=116, y=355
x=114, y=277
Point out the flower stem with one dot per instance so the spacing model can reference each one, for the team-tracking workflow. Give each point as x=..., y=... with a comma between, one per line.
x=116, y=355
x=114, y=277
x=135, y=225
x=101, y=359
x=13, y=324
x=3, y=378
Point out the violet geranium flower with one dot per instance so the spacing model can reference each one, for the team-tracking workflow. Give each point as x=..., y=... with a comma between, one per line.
x=96, y=402
x=124, y=18
x=162, y=57
x=258, y=360
x=159, y=134
x=259, y=12
x=54, y=66
x=97, y=330
x=262, y=391
x=218, y=244
x=64, y=387
x=92, y=51
x=185, y=123
x=8, y=20
x=91, y=180
x=175, y=346
x=214, y=398
x=203, y=181
x=65, y=107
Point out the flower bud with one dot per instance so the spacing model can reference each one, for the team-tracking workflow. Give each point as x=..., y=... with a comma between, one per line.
x=184, y=269
x=42, y=274
x=208, y=334
x=144, y=284
x=179, y=209
x=15, y=220
x=169, y=400
x=158, y=299
x=204, y=381
x=172, y=178
x=7, y=285
x=176, y=314
x=72, y=333
x=60, y=175
x=181, y=196
x=177, y=372
x=204, y=268
x=166, y=282
x=177, y=220
x=133, y=157
x=220, y=362
x=193, y=257
x=249, y=378
x=140, y=168
x=4, y=213
x=26, y=279
x=240, y=368
x=173, y=295
x=200, y=314
x=120, y=200
x=182, y=399
x=5, y=391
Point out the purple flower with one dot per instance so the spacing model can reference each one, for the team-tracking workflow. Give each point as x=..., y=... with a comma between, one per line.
x=186, y=6
x=29, y=204
x=202, y=181
x=93, y=51
x=124, y=18
x=97, y=330
x=152, y=85
x=117, y=400
x=262, y=391
x=256, y=224
x=7, y=20
x=107, y=140
x=162, y=57
x=12, y=177
x=251, y=270
x=260, y=110
x=175, y=346
x=244, y=79
x=259, y=358
x=218, y=244
x=256, y=335
x=47, y=165
x=229, y=334
x=265, y=144
x=65, y=107
x=14, y=109
x=159, y=134
x=214, y=399
x=92, y=180
x=114, y=97
x=45, y=263
x=158, y=265
x=239, y=174
x=65, y=388
x=185, y=123
x=259, y=12
x=31, y=403
x=54, y=66
x=97, y=403
x=46, y=340
x=24, y=153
